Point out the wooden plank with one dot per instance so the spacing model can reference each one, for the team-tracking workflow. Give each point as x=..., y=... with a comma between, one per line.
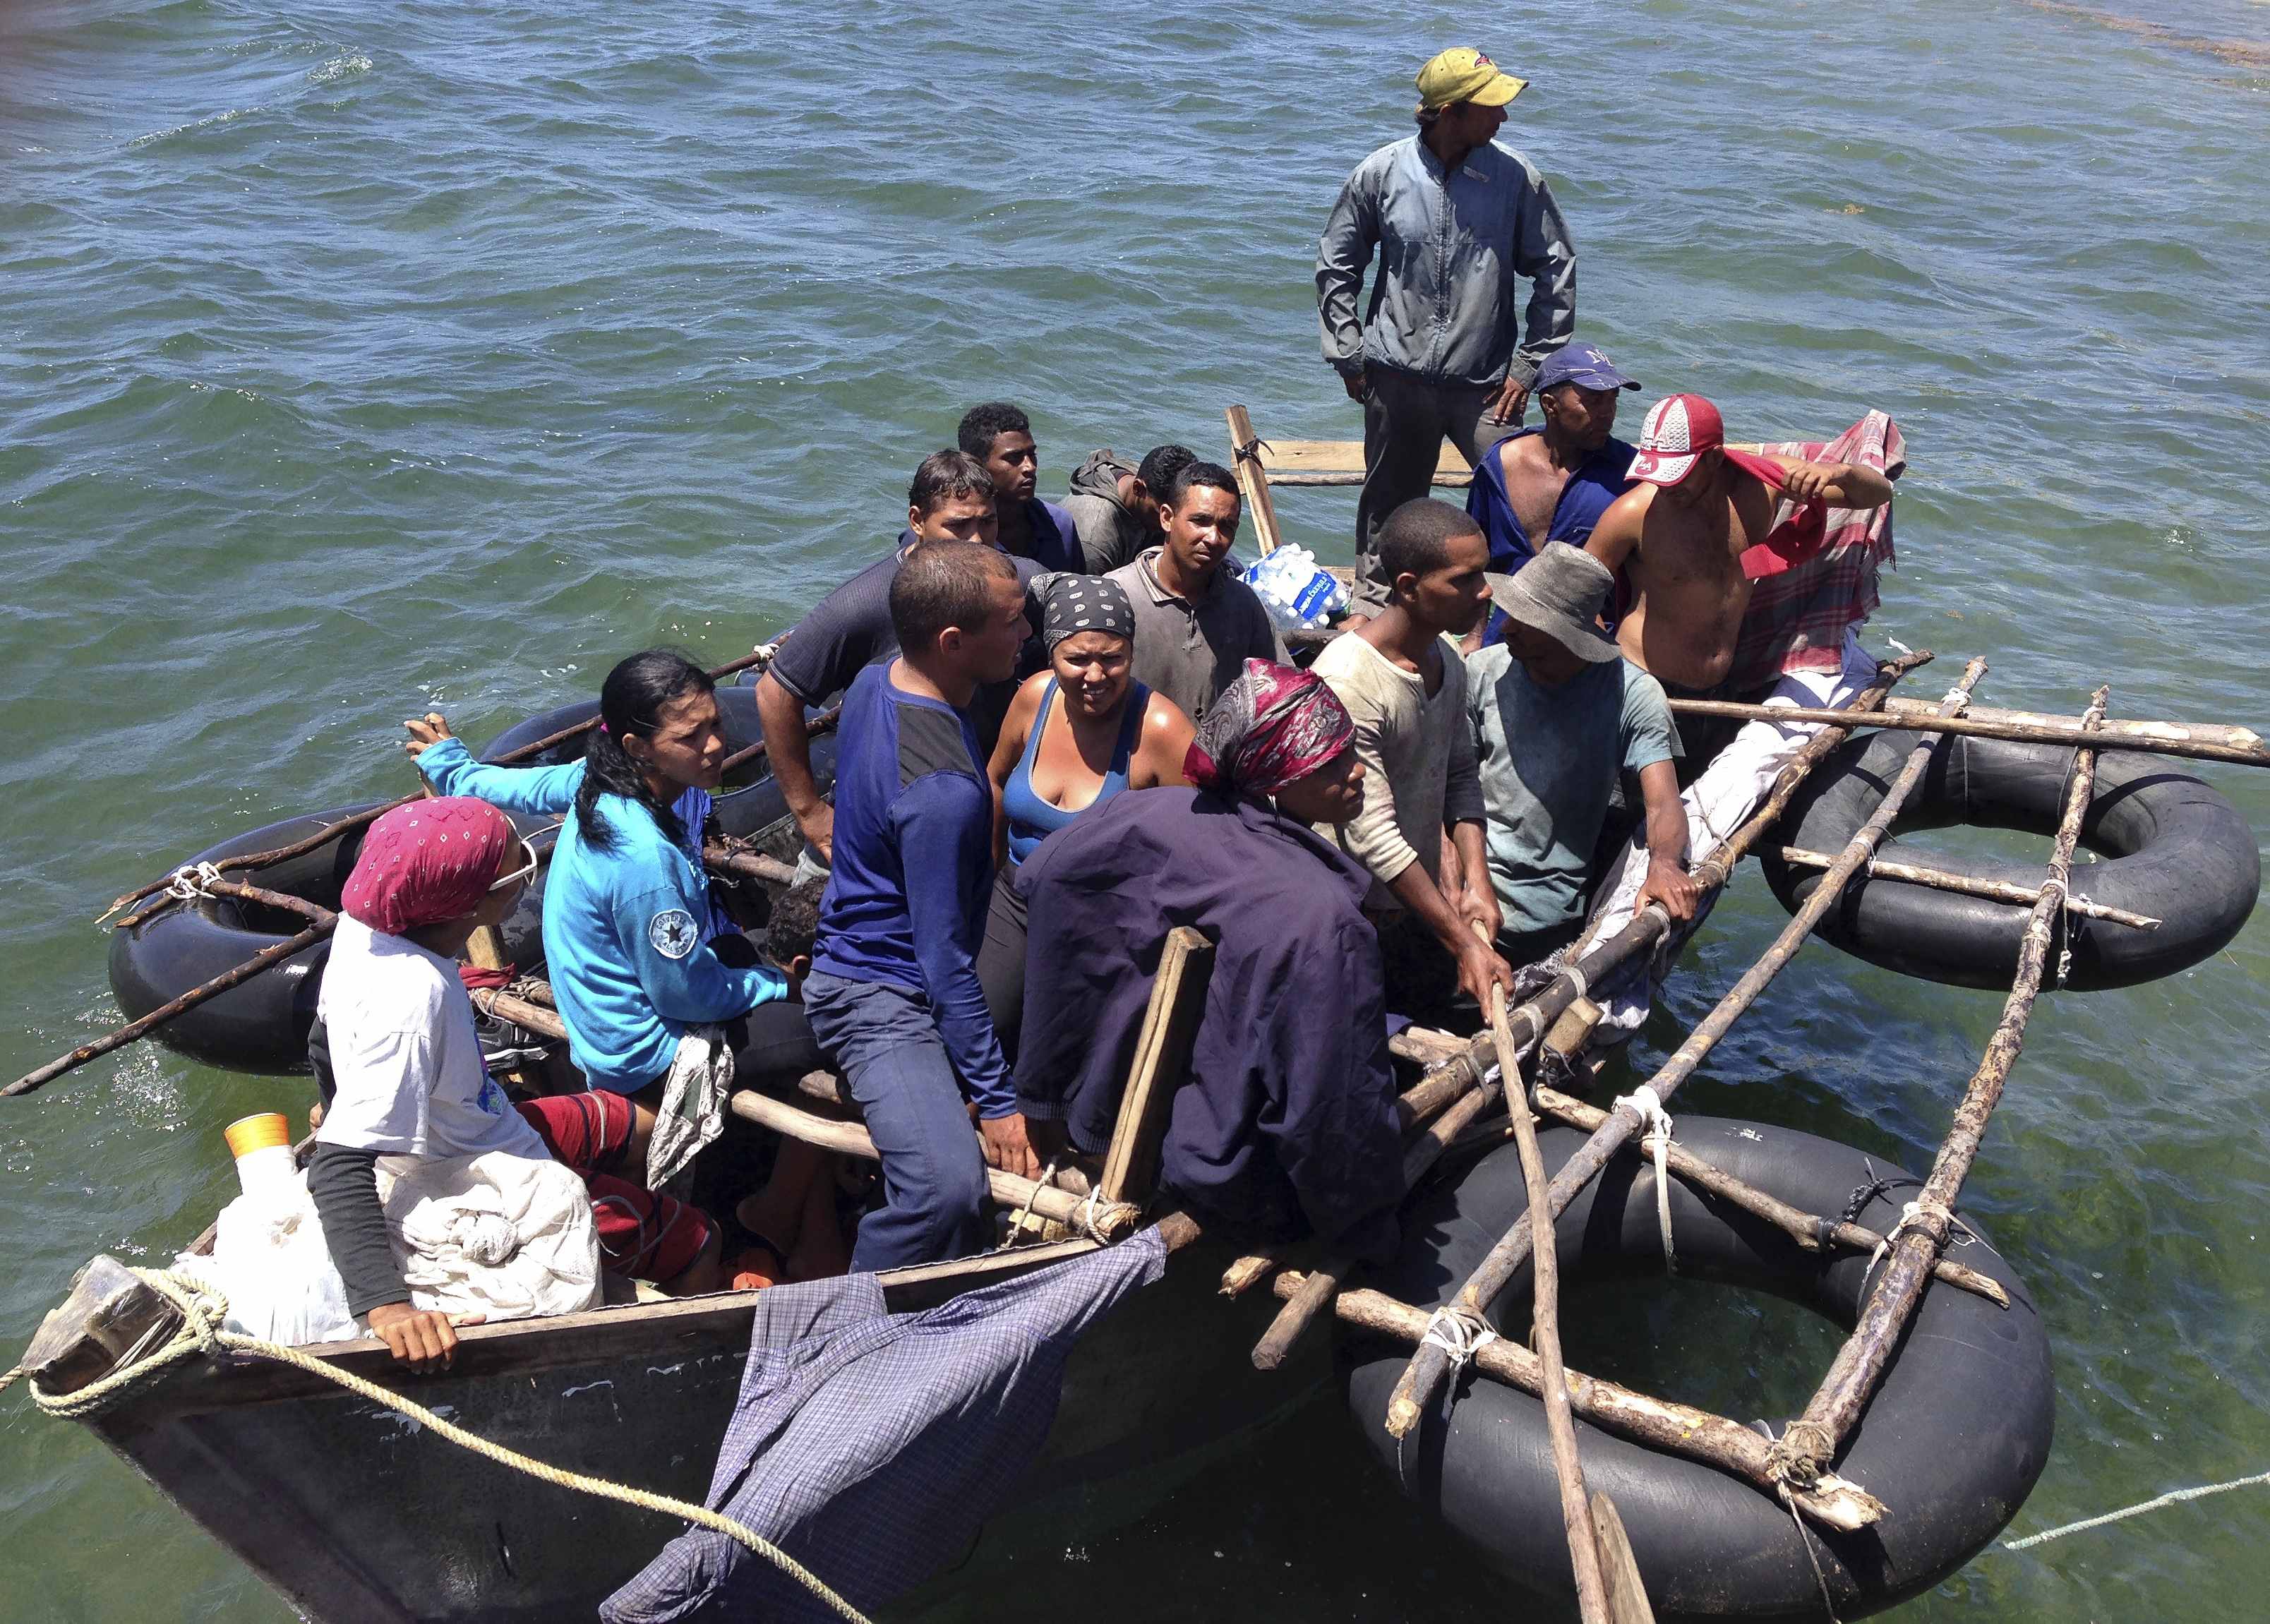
x=1340, y=462
x=1162, y=1061
x=1252, y=478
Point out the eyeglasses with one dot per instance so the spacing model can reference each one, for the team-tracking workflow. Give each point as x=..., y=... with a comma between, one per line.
x=526, y=871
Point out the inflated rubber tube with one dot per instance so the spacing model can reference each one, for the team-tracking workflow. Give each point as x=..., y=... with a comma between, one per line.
x=1952, y=1442
x=262, y=1025
x=2172, y=849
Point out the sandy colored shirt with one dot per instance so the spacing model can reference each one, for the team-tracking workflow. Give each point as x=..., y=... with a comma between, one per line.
x=1191, y=651
x=1418, y=755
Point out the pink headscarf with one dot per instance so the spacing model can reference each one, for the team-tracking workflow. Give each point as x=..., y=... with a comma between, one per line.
x=426, y=863
x=1273, y=726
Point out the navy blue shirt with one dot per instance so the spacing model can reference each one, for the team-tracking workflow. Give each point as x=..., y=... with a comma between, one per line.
x=1604, y=476
x=850, y=629
x=1287, y=1124
x=913, y=875
x=1055, y=538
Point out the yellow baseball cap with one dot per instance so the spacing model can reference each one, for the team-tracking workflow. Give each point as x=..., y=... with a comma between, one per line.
x=1464, y=74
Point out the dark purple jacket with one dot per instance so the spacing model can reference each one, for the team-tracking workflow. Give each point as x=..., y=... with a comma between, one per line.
x=1287, y=1125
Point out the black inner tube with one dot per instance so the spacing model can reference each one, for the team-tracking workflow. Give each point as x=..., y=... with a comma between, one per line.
x=1953, y=1441
x=2173, y=848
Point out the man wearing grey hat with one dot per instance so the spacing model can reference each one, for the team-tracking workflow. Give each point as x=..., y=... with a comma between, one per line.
x=1557, y=714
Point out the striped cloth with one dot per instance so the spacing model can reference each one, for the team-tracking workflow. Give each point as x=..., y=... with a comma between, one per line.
x=1816, y=573
x=871, y=1445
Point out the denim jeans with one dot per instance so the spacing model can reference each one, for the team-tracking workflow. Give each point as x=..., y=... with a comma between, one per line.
x=934, y=1190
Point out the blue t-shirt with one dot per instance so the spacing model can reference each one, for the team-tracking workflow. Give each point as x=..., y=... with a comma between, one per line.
x=913, y=874
x=1605, y=476
x=1055, y=538
x=628, y=931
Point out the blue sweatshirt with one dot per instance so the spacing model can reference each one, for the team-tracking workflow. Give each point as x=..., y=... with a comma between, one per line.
x=913, y=875
x=627, y=932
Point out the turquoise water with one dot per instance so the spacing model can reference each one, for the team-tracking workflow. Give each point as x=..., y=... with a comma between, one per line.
x=359, y=358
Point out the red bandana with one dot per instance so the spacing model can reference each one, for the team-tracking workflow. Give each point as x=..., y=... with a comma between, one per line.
x=426, y=862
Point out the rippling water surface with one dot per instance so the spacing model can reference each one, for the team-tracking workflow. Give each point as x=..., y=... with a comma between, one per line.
x=356, y=358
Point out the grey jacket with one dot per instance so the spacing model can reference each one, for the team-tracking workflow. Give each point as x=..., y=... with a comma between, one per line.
x=1109, y=536
x=1443, y=305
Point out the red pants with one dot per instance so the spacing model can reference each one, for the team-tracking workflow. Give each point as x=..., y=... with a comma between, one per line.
x=643, y=1233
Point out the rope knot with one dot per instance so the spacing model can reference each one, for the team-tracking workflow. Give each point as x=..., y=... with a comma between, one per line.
x=1459, y=1332
x=1654, y=1123
x=187, y=884
x=1798, y=1454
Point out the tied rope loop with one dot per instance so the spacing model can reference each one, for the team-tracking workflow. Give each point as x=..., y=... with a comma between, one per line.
x=186, y=884
x=1952, y=1231
x=202, y=1330
x=1654, y=1123
x=1250, y=451
x=2063, y=927
x=1459, y=1332
x=1017, y=1224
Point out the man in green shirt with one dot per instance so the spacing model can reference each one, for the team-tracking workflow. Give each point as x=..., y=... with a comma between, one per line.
x=1557, y=714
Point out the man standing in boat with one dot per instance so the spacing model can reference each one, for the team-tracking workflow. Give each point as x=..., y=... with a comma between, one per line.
x=1553, y=483
x=1455, y=218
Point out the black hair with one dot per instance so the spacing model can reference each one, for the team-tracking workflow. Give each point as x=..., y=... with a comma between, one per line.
x=945, y=475
x=1160, y=466
x=1415, y=539
x=981, y=426
x=794, y=924
x=631, y=703
x=944, y=583
x=1194, y=473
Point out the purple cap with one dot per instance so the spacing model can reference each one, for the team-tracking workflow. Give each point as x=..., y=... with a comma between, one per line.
x=1585, y=366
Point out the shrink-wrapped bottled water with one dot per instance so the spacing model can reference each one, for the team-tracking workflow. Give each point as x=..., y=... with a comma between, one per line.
x=1293, y=590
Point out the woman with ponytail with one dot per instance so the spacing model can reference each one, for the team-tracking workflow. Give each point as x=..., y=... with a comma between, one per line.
x=631, y=937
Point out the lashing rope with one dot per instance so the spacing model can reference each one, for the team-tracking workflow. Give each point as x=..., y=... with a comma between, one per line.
x=1654, y=1123
x=1459, y=1332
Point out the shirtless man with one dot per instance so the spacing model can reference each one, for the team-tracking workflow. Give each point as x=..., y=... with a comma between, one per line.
x=1553, y=483
x=1681, y=532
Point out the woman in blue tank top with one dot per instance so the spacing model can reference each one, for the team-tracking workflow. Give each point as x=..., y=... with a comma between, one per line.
x=1076, y=735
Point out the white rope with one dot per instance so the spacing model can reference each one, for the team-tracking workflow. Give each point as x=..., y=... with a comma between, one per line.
x=2173, y=1497
x=1024, y=1213
x=2065, y=918
x=186, y=884
x=1459, y=1332
x=1087, y=1211
x=1575, y=975
x=1656, y=1136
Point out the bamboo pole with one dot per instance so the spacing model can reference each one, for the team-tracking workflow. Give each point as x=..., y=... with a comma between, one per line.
x=1971, y=884
x=1674, y=1428
x=727, y=857
x=122, y=1036
x=1814, y=1234
x=1423, y=1377
x=2110, y=729
x=1299, y=1313
x=1108, y=1220
x=1814, y=1438
x=1545, y=1334
x=2159, y=737
x=356, y=820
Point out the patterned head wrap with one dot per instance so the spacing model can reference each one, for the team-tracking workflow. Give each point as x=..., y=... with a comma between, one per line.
x=1072, y=604
x=1272, y=726
x=426, y=863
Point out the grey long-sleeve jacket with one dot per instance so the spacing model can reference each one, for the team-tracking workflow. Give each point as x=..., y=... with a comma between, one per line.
x=1443, y=305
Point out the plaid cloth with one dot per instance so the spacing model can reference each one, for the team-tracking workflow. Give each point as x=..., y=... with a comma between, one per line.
x=1815, y=572
x=871, y=1445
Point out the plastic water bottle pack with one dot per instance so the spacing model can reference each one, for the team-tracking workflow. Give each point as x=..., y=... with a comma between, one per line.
x=1296, y=591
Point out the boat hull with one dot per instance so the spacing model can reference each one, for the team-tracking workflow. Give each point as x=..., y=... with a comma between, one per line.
x=357, y=1515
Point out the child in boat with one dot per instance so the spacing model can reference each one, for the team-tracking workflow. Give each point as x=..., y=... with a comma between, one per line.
x=404, y=1070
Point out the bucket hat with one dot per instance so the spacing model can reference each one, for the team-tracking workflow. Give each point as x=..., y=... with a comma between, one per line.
x=1559, y=592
